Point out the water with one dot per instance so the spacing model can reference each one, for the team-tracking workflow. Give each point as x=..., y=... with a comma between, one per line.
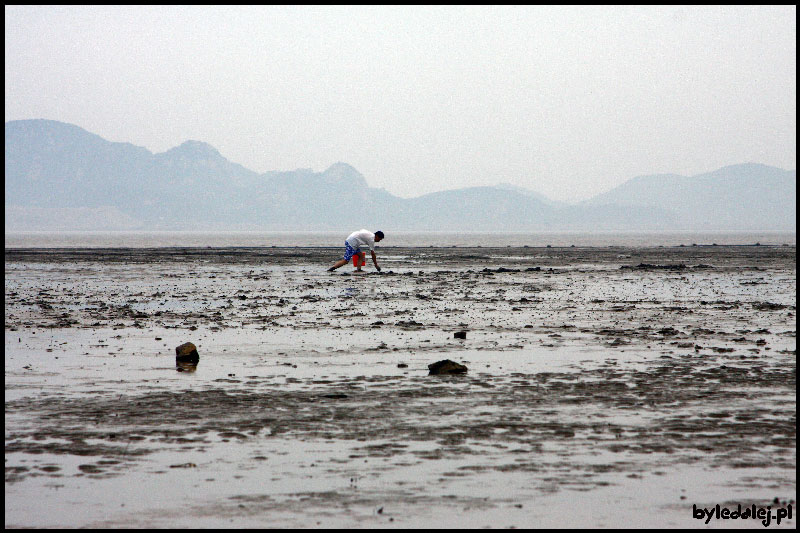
x=158, y=239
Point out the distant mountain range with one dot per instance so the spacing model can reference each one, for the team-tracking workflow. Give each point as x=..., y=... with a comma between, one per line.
x=61, y=177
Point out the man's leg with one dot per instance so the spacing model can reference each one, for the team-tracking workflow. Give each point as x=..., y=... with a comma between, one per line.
x=348, y=253
x=338, y=263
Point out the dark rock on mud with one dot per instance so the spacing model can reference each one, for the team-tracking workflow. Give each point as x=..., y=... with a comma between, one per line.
x=187, y=353
x=648, y=266
x=184, y=465
x=446, y=367
x=768, y=306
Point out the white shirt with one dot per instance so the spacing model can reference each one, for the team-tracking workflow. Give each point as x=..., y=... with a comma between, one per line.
x=357, y=239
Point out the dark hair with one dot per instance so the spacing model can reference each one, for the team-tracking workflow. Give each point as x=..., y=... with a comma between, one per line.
x=379, y=233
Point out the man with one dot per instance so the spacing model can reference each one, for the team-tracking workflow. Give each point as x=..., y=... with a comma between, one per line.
x=352, y=249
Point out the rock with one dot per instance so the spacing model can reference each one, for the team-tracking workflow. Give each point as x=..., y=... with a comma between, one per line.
x=647, y=266
x=446, y=367
x=460, y=335
x=187, y=352
x=768, y=306
x=184, y=465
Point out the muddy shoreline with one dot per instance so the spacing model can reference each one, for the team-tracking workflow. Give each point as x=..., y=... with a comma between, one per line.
x=742, y=255
x=606, y=386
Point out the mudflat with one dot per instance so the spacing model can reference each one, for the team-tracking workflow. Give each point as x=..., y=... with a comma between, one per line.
x=606, y=387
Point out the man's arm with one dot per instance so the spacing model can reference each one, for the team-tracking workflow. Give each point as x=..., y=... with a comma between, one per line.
x=375, y=260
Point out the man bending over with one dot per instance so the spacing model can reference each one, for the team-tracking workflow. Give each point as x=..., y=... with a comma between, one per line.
x=352, y=249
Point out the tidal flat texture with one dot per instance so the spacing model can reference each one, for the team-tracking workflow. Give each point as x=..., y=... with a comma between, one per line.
x=605, y=387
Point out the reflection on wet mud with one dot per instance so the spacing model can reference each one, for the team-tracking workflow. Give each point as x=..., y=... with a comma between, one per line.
x=185, y=366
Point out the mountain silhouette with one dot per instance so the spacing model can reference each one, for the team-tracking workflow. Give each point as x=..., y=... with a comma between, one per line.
x=61, y=177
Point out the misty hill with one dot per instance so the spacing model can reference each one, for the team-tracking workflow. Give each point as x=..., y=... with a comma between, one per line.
x=741, y=197
x=59, y=177
x=533, y=194
x=81, y=178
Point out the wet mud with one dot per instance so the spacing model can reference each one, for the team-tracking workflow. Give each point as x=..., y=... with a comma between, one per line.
x=606, y=387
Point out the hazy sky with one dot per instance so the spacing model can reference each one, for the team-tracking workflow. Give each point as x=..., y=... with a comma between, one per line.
x=566, y=101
